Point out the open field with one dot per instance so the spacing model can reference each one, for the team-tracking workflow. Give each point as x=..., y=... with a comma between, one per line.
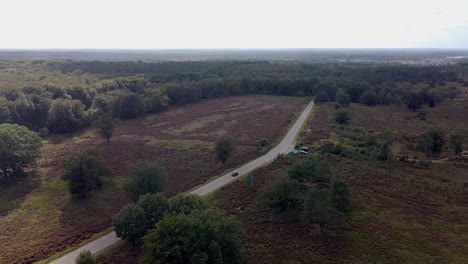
x=41, y=218
x=401, y=213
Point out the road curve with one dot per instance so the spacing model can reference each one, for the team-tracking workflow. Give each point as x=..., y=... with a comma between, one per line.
x=285, y=146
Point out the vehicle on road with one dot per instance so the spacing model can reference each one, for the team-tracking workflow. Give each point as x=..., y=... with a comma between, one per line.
x=305, y=149
x=234, y=174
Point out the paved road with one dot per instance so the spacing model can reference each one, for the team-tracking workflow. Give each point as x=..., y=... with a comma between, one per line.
x=285, y=146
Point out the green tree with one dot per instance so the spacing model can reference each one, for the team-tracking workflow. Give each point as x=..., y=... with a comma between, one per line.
x=414, y=101
x=146, y=178
x=85, y=257
x=369, y=98
x=342, y=97
x=321, y=97
x=224, y=148
x=5, y=115
x=18, y=147
x=207, y=236
x=340, y=197
x=431, y=142
x=318, y=209
x=342, y=117
x=310, y=169
x=66, y=116
x=186, y=204
x=282, y=195
x=155, y=207
x=84, y=171
x=128, y=105
x=155, y=101
x=130, y=223
x=106, y=126
x=456, y=140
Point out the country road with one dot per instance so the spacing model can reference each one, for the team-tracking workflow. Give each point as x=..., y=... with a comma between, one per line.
x=285, y=146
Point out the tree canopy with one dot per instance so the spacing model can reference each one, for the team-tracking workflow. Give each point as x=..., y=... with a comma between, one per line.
x=207, y=236
x=84, y=171
x=146, y=178
x=130, y=223
x=224, y=148
x=18, y=147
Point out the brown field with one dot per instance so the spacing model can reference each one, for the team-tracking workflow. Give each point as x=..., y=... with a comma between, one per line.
x=39, y=218
x=401, y=213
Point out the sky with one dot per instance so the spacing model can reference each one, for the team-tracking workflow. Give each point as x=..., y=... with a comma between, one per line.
x=180, y=24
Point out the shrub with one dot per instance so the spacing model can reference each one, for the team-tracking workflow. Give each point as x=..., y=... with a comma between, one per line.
x=311, y=169
x=264, y=142
x=342, y=117
x=318, y=209
x=340, y=197
x=282, y=195
x=85, y=257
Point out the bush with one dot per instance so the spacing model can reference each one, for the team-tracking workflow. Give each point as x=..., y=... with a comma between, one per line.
x=84, y=171
x=208, y=236
x=85, y=257
x=318, y=209
x=130, y=223
x=306, y=170
x=264, y=142
x=146, y=178
x=340, y=197
x=342, y=117
x=282, y=195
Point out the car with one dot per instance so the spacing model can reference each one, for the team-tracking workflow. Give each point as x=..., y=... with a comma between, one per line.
x=306, y=149
x=234, y=174
x=303, y=152
x=465, y=153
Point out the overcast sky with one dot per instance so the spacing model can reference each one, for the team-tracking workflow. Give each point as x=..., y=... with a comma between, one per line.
x=154, y=24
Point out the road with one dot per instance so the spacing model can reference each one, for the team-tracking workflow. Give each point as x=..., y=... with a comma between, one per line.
x=285, y=146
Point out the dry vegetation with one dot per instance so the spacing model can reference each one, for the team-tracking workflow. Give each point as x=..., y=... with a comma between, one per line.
x=41, y=219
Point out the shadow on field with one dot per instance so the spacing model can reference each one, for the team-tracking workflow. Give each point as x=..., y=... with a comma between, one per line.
x=13, y=195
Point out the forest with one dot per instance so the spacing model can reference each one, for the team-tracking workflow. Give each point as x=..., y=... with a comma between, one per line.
x=132, y=89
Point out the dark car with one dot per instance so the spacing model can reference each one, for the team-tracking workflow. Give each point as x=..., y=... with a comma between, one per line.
x=234, y=174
